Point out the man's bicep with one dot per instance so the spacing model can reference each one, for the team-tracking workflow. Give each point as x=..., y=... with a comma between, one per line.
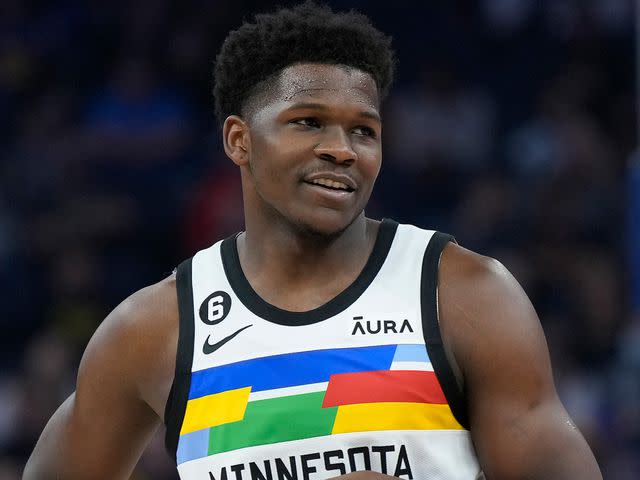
x=101, y=430
x=45, y=461
x=518, y=425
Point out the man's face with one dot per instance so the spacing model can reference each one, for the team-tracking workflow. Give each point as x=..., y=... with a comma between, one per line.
x=315, y=147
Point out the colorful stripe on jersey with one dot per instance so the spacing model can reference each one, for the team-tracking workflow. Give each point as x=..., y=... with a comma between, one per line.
x=311, y=394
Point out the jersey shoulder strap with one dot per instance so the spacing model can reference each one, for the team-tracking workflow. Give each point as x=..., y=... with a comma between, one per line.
x=431, y=328
x=179, y=393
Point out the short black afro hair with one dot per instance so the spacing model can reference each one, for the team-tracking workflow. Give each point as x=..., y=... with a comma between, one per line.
x=256, y=52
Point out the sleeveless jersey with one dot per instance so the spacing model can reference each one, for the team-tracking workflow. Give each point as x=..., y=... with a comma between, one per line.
x=360, y=383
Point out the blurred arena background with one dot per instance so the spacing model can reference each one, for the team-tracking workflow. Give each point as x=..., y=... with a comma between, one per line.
x=512, y=125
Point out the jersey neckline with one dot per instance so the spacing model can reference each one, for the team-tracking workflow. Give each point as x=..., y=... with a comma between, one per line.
x=257, y=305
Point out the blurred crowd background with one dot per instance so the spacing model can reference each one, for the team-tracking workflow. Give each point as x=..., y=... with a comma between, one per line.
x=512, y=125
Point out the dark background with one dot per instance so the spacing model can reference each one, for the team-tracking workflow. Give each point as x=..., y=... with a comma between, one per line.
x=511, y=125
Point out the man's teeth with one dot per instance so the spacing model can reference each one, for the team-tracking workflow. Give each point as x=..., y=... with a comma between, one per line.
x=330, y=183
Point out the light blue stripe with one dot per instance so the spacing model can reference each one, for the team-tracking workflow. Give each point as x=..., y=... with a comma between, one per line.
x=193, y=445
x=411, y=353
x=288, y=370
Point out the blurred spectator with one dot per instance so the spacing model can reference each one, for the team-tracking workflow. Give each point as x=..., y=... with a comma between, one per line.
x=633, y=231
x=214, y=208
x=135, y=121
x=507, y=16
x=487, y=216
x=439, y=120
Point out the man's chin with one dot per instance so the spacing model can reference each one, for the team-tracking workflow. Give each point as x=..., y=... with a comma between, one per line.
x=323, y=229
x=313, y=232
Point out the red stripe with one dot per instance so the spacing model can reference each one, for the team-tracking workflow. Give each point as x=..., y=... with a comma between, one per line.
x=383, y=386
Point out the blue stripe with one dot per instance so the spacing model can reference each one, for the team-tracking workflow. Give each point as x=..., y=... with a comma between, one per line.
x=290, y=369
x=193, y=445
x=411, y=353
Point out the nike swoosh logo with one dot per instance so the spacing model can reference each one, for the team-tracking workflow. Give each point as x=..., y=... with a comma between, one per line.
x=208, y=348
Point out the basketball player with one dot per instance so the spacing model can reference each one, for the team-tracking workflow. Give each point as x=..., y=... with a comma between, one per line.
x=318, y=342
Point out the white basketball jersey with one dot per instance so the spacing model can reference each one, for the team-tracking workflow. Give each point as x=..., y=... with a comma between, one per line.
x=360, y=383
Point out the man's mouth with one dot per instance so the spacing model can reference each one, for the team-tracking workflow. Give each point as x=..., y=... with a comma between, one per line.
x=331, y=184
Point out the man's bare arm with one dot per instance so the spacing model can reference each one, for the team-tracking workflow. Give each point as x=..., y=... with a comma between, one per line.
x=519, y=427
x=101, y=430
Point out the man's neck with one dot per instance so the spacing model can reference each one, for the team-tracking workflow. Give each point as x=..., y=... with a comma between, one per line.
x=275, y=259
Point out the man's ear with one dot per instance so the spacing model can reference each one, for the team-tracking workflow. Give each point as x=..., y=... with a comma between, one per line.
x=237, y=142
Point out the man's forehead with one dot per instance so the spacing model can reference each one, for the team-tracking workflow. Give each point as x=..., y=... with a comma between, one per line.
x=312, y=80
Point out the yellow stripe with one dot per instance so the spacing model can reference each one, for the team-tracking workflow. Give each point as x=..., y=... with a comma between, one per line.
x=364, y=417
x=216, y=409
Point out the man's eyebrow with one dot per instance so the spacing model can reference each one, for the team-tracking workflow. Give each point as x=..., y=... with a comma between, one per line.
x=372, y=114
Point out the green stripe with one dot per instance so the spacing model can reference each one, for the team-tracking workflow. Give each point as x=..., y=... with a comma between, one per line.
x=275, y=420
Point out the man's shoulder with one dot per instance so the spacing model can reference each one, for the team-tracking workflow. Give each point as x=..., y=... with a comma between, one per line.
x=139, y=339
x=148, y=320
x=483, y=310
x=154, y=305
x=478, y=287
x=150, y=311
x=463, y=265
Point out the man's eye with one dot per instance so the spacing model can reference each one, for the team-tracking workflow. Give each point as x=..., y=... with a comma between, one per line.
x=307, y=122
x=365, y=131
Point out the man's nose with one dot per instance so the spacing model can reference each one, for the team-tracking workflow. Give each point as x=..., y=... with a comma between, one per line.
x=335, y=146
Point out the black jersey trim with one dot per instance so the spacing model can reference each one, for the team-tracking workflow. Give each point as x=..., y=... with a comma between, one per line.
x=271, y=313
x=179, y=394
x=431, y=328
